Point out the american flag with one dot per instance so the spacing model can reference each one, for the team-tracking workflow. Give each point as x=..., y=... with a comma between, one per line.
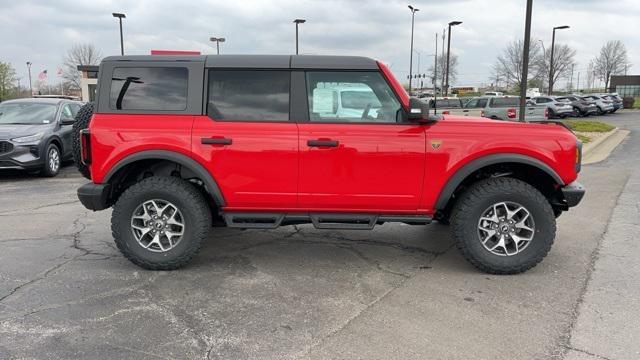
x=43, y=75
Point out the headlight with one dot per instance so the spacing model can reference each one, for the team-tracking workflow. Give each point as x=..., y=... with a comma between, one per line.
x=28, y=139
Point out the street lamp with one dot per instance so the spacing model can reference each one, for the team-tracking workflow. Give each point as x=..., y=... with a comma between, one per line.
x=297, y=22
x=29, y=68
x=525, y=60
x=217, y=41
x=453, y=23
x=413, y=14
x=553, y=43
x=120, y=17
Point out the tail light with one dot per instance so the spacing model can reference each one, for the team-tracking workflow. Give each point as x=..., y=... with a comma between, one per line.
x=481, y=113
x=85, y=146
x=546, y=113
x=446, y=112
x=511, y=113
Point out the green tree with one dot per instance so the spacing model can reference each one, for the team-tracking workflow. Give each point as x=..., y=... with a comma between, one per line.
x=7, y=80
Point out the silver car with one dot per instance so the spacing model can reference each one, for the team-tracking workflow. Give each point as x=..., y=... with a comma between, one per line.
x=604, y=106
x=557, y=108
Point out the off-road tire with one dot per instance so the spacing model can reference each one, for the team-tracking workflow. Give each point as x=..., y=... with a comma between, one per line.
x=47, y=171
x=191, y=203
x=483, y=194
x=82, y=119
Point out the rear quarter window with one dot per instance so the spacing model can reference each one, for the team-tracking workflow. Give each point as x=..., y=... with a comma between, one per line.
x=149, y=88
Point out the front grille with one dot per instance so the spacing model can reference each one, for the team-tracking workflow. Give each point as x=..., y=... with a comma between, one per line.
x=5, y=147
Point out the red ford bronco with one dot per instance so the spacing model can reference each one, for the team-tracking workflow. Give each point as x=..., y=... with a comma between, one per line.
x=178, y=144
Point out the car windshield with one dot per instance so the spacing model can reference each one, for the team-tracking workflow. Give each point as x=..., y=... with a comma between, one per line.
x=505, y=102
x=27, y=113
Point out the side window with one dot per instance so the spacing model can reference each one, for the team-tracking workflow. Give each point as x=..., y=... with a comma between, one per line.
x=151, y=88
x=74, y=109
x=472, y=104
x=350, y=96
x=66, y=112
x=249, y=95
x=482, y=103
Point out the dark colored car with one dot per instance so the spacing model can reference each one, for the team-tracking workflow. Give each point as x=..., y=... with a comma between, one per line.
x=581, y=106
x=36, y=133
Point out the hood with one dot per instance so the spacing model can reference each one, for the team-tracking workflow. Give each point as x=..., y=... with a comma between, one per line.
x=10, y=131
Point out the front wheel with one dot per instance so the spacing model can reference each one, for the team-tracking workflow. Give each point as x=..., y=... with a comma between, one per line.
x=52, y=161
x=160, y=223
x=503, y=225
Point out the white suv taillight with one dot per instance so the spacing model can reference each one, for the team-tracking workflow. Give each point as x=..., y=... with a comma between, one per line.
x=511, y=113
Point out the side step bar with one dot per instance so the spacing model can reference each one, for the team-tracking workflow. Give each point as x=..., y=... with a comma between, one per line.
x=253, y=220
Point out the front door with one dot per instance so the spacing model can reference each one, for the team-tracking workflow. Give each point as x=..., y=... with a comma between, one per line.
x=356, y=153
x=247, y=141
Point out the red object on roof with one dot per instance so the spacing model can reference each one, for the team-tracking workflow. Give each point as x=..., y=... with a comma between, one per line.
x=174, y=52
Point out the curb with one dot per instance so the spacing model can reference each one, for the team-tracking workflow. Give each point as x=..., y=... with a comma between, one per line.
x=588, y=147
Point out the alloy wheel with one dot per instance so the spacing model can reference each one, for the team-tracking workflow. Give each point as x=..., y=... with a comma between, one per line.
x=506, y=228
x=157, y=225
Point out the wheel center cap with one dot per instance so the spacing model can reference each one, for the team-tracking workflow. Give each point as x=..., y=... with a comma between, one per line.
x=158, y=225
x=504, y=228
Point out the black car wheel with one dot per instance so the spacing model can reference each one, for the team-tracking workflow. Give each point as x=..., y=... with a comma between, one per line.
x=503, y=225
x=52, y=161
x=160, y=222
x=576, y=112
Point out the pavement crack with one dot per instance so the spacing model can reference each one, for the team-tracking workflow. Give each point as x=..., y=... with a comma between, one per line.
x=30, y=210
x=587, y=352
x=36, y=279
x=373, y=262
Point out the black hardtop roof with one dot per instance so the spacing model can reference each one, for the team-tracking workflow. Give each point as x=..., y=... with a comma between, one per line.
x=260, y=61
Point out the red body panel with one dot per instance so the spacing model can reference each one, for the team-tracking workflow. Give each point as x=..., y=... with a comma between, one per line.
x=374, y=167
x=115, y=136
x=260, y=167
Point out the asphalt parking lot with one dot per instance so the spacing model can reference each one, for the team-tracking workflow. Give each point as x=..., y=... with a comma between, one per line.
x=398, y=292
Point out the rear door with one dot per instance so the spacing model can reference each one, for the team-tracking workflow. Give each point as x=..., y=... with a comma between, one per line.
x=365, y=159
x=246, y=139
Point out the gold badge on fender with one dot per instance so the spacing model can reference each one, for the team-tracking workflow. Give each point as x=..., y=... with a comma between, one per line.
x=435, y=144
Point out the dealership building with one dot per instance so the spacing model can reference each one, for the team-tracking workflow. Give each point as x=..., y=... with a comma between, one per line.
x=625, y=85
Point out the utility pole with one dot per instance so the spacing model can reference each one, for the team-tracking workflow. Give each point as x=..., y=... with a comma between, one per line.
x=452, y=23
x=120, y=16
x=525, y=60
x=578, y=84
x=30, y=86
x=553, y=45
x=298, y=22
x=413, y=14
x=435, y=77
x=571, y=81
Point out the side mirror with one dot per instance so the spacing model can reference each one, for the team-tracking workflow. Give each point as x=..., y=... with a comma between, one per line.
x=419, y=112
x=67, y=121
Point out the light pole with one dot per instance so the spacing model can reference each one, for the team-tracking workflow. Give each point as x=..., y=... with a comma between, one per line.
x=453, y=23
x=525, y=60
x=217, y=41
x=297, y=22
x=120, y=17
x=30, y=86
x=418, y=52
x=413, y=15
x=553, y=43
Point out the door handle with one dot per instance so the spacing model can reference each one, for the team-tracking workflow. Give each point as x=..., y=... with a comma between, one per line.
x=216, y=141
x=323, y=143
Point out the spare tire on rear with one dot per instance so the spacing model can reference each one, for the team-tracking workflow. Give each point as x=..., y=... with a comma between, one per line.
x=83, y=117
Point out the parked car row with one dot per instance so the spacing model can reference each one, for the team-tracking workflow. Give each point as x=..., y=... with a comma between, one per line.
x=538, y=107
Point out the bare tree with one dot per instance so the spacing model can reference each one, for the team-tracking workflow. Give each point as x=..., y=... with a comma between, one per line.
x=7, y=80
x=563, y=59
x=612, y=60
x=442, y=65
x=80, y=54
x=508, y=65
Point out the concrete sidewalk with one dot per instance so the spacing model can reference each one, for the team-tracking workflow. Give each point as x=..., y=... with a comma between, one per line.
x=609, y=314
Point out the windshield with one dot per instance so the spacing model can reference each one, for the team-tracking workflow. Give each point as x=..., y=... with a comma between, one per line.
x=505, y=102
x=27, y=113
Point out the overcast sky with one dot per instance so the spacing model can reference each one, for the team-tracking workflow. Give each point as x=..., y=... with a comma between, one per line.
x=42, y=31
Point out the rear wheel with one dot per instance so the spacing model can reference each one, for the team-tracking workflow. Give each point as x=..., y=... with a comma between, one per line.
x=83, y=117
x=600, y=111
x=503, y=225
x=160, y=223
x=576, y=112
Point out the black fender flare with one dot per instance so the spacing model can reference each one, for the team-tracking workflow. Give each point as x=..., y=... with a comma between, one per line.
x=202, y=173
x=474, y=165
